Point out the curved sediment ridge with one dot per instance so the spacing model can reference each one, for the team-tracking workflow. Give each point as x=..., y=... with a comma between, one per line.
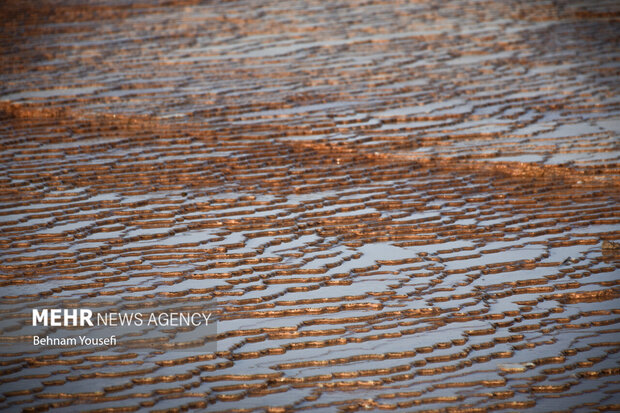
x=408, y=206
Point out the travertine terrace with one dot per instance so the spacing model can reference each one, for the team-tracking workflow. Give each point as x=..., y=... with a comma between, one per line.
x=395, y=205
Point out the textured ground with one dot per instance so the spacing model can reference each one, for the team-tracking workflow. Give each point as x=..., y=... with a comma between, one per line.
x=396, y=205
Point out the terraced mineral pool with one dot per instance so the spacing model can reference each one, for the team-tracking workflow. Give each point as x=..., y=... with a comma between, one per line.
x=384, y=206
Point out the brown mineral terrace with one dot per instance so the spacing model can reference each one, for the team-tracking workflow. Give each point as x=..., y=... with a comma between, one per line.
x=408, y=206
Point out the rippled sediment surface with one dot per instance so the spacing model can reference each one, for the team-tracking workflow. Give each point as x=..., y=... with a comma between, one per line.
x=406, y=206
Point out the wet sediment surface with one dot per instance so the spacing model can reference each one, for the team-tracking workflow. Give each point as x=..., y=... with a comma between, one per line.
x=395, y=206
